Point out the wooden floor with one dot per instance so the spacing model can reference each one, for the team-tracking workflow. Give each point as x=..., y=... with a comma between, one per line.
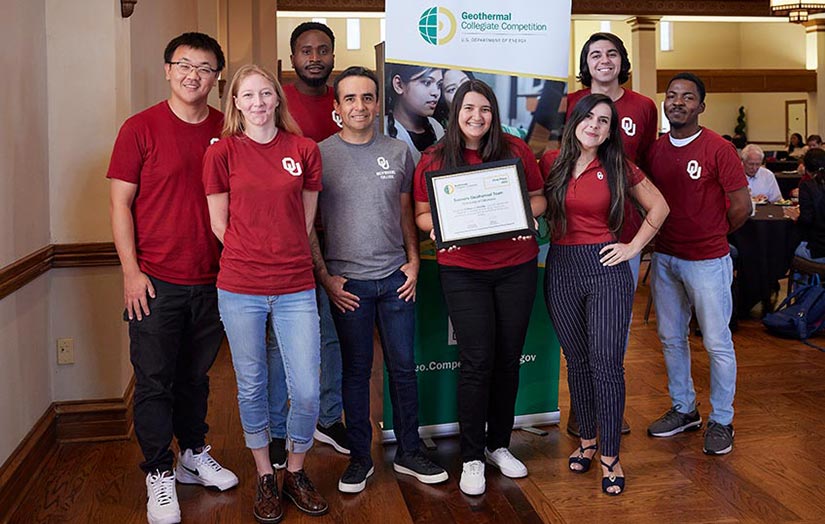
x=776, y=472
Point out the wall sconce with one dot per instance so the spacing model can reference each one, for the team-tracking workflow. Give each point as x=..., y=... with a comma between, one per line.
x=797, y=12
x=127, y=7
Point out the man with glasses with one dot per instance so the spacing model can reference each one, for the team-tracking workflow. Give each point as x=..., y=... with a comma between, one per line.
x=169, y=259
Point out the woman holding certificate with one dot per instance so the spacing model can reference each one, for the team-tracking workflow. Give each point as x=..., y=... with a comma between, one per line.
x=489, y=288
x=589, y=287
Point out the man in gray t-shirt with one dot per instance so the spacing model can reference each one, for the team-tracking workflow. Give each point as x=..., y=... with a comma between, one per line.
x=369, y=269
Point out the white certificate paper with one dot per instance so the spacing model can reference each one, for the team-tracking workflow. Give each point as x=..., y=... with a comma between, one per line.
x=480, y=204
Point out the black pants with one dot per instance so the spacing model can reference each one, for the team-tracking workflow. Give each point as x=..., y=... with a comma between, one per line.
x=590, y=306
x=490, y=311
x=172, y=350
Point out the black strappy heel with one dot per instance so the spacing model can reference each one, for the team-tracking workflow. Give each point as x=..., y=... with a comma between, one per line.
x=581, y=460
x=612, y=479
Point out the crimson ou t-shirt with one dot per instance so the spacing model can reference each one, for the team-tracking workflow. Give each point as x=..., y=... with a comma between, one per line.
x=497, y=253
x=163, y=156
x=266, y=249
x=695, y=180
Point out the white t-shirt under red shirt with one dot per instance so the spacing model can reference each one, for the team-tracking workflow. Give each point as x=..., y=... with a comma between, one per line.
x=695, y=180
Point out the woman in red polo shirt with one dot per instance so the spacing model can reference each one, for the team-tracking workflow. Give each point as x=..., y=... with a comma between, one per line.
x=589, y=287
x=489, y=288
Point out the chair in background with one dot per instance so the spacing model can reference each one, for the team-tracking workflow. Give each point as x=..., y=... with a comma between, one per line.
x=802, y=266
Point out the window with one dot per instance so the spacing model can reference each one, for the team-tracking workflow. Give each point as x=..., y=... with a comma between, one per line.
x=604, y=26
x=383, y=30
x=353, y=33
x=320, y=20
x=665, y=36
x=665, y=121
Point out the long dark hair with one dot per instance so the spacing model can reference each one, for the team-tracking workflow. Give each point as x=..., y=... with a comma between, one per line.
x=493, y=145
x=611, y=156
x=405, y=73
x=800, y=142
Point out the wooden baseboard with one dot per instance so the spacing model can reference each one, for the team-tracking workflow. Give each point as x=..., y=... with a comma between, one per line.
x=26, y=461
x=63, y=422
x=95, y=420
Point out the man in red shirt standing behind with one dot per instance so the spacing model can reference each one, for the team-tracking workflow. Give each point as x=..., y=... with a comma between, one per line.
x=310, y=102
x=703, y=181
x=169, y=257
x=603, y=67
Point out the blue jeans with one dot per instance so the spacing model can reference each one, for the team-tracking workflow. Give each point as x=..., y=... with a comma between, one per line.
x=379, y=304
x=294, y=321
x=331, y=404
x=677, y=285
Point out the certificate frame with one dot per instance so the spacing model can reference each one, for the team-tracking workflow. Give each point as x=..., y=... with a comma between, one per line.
x=508, y=173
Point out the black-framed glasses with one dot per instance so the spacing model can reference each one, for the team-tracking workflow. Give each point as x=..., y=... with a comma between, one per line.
x=185, y=68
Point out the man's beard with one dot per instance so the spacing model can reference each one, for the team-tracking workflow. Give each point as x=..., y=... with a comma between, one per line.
x=313, y=82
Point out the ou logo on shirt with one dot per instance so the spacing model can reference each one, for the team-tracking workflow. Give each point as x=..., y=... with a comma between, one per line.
x=694, y=170
x=291, y=166
x=628, y=126
x=383, y=162
x=337, y=119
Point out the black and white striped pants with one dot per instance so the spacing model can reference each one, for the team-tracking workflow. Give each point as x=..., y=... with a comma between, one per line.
x=590, y=306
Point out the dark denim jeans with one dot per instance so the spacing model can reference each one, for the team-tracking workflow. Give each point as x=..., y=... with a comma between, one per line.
x=395, y=318
x=172, y=350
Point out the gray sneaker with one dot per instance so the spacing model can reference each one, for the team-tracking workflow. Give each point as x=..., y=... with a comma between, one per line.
x=718, y=439
x=674, y=422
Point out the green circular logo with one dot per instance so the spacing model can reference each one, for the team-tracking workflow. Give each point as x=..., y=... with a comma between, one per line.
x=449, y=189
x=437, y=25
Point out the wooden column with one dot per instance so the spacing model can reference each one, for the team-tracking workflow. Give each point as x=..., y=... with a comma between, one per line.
x=643, y=52
x=247, y=31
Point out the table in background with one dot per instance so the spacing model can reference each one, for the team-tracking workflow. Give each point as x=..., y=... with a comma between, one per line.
x=766, y=243
x=787, y=181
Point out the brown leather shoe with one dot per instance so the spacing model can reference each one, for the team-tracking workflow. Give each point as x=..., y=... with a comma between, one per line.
x=267, y=508
x=300, y=490
x=573, y=425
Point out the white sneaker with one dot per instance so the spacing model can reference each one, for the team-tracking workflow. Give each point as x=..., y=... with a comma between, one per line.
x=202, y=469
x=162, y=507
x=509, y=465
x=472, y=478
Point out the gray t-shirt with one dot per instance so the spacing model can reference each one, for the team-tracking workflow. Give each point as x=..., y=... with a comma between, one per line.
x=361, y=205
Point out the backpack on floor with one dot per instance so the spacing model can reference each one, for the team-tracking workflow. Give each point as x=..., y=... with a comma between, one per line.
x=801, y=314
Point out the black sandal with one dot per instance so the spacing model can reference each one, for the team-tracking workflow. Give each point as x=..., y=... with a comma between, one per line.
x=581, y=460
x=612, y=479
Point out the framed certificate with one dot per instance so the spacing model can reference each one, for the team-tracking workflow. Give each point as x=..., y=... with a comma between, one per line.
x=479, y=203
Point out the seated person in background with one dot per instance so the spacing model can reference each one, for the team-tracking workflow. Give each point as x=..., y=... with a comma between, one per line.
x=814, y=142
x=761, y=181
x=796, y=147
x=810, y=215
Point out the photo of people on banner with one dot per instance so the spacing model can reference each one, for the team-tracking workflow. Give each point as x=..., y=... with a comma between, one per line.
x=418, y=97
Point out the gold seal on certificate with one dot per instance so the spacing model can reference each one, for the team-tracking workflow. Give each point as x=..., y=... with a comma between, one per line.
x=479, y=203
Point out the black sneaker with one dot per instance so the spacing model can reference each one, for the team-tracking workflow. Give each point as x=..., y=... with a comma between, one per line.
x=420, y=467
x=354, y=479
x=718, y=439
x=335, y=436
x=674, y=422
x=277, y=453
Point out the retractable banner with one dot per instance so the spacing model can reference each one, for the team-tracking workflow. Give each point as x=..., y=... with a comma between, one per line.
x=521, y=49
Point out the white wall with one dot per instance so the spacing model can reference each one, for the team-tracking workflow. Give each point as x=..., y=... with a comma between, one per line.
x=24, y=219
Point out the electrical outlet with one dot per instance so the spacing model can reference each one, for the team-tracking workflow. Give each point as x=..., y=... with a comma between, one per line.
x=65, y=351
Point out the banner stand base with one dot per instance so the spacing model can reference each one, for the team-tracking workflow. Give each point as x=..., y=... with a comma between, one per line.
x=445, y=430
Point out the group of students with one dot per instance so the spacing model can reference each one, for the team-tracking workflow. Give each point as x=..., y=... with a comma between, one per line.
x=186, y=180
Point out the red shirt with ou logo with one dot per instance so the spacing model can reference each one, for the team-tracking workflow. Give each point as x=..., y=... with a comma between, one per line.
x=695, y=180
x=312, y=113
x=638, y=119
x=587, y=202
x=266, y=249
